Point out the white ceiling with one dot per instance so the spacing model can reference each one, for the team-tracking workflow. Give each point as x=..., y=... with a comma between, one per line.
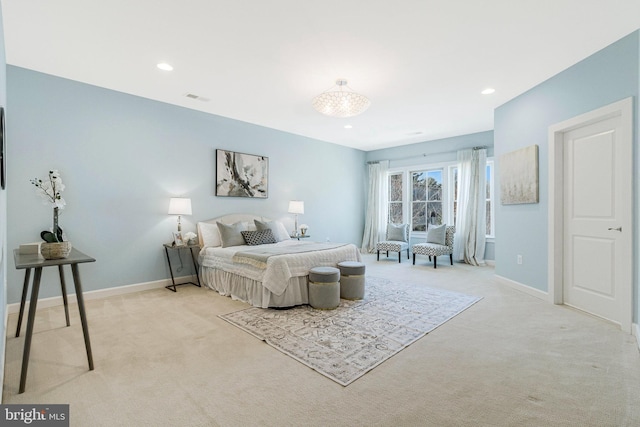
x=422, y=63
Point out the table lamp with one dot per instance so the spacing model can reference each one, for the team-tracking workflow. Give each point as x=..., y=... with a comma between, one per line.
x=179, y=206
x=296, y=207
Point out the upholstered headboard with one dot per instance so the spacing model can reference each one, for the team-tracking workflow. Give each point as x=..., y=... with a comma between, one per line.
x=208, y=230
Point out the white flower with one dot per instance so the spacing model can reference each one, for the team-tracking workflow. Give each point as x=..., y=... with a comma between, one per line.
x=49, y=189
x=190, y=235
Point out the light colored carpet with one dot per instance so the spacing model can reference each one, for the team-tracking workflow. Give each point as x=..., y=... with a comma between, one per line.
x=167, y=359
x=346, y=343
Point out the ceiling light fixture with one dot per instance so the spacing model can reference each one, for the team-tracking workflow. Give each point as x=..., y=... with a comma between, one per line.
x=164, y=66
x=343, y=102
x=348, y=126
x=488, y=91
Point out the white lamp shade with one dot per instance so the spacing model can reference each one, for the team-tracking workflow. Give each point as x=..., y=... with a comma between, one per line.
x=179, y=206
x=296, y=207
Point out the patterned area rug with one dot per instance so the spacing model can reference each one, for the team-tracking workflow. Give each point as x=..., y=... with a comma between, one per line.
x=345, y=343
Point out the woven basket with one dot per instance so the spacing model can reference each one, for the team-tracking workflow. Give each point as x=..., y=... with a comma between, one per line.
x=57, y=250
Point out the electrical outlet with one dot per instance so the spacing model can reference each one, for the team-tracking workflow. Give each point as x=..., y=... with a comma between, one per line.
x=519, y=259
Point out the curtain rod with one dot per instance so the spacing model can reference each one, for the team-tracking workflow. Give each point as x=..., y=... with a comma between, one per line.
x=479, y=147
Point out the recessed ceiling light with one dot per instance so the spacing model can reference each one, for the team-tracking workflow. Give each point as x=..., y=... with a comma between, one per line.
x=348, y=126
x=164, y=66
x=415, y=133
x=488, y=91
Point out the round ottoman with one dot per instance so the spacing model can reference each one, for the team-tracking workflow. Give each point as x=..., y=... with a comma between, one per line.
x=324, y=288
x=351, y=279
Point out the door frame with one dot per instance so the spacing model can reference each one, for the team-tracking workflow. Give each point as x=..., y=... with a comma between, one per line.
x=555, y=252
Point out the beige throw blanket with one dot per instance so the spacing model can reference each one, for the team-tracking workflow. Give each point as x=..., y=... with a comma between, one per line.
x=258, y=257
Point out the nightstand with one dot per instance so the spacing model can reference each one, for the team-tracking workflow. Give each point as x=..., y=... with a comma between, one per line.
x=171, y=246
x=300, y=236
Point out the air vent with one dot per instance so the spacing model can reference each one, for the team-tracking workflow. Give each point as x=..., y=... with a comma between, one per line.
x=198, y=97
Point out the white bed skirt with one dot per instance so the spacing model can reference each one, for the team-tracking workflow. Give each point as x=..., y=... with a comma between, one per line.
x=252, y=291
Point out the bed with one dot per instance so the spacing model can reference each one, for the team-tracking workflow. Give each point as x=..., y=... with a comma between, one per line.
x=273, y=270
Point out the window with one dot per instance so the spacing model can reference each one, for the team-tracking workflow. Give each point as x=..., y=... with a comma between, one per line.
x=395, y=213
x=428, y=194
x=417, y=196
x=426, y=201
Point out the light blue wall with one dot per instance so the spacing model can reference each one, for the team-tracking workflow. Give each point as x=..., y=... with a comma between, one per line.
x=605, y=77
x=122, y=157
x=433, y=152
x=4, y=258
x=436, y=151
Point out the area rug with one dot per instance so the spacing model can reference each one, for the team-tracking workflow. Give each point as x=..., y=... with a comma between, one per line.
x=345, y=343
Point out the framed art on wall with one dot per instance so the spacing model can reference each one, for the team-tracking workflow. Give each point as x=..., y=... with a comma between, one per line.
x=241, y=175
x=519, y=170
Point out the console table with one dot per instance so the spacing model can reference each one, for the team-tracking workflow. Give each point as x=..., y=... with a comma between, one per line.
x=35, y=261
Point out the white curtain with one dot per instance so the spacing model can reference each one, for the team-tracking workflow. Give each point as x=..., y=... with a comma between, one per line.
x=471, y=226
x=376, y=214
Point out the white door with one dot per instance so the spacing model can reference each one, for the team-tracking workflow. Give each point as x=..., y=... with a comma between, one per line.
x=597, y=235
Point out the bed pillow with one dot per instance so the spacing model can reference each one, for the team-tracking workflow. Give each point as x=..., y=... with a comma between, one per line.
x=397, y=233
x=209, y=234
x=276, y=227
x=231, y=235
x=436, y=234
x=258, y=237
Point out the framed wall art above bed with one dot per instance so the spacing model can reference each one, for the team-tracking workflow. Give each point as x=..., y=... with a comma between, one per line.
x=241, y=175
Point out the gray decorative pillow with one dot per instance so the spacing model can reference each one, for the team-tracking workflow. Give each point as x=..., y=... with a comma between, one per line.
x=437, y=234
x=397, y=232
x=258, y=237
x=276, y=227
x=231, y=234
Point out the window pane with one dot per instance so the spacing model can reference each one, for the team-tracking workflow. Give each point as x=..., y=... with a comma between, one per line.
x=418, y=216
x=395, y=213
x=488, y=182
x=419, y=186
x=455, y=212
x=395, y=188
x=455, y=184
x=435, y=185
x=489, y=231
x=434, y=212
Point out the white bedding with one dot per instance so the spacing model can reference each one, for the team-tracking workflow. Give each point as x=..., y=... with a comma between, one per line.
x=280, y=268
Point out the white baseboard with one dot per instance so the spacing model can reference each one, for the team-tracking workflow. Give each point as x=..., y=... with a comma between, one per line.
x=523, y=288
x=635, y=330
x=490, y=262
x=100, y=293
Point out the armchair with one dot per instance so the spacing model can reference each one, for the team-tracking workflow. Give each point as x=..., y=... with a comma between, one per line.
x=397, y=240
x=435, y=246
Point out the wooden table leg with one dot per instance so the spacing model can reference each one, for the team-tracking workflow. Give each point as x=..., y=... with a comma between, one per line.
x=25, y=289
x=64, y=294
x=30, y=320
x=83, y=315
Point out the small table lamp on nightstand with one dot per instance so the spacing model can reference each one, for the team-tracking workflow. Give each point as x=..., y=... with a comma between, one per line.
x=179, y=206
x=296, y=207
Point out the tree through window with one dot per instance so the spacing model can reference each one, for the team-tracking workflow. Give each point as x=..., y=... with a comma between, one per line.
x=426, y=203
